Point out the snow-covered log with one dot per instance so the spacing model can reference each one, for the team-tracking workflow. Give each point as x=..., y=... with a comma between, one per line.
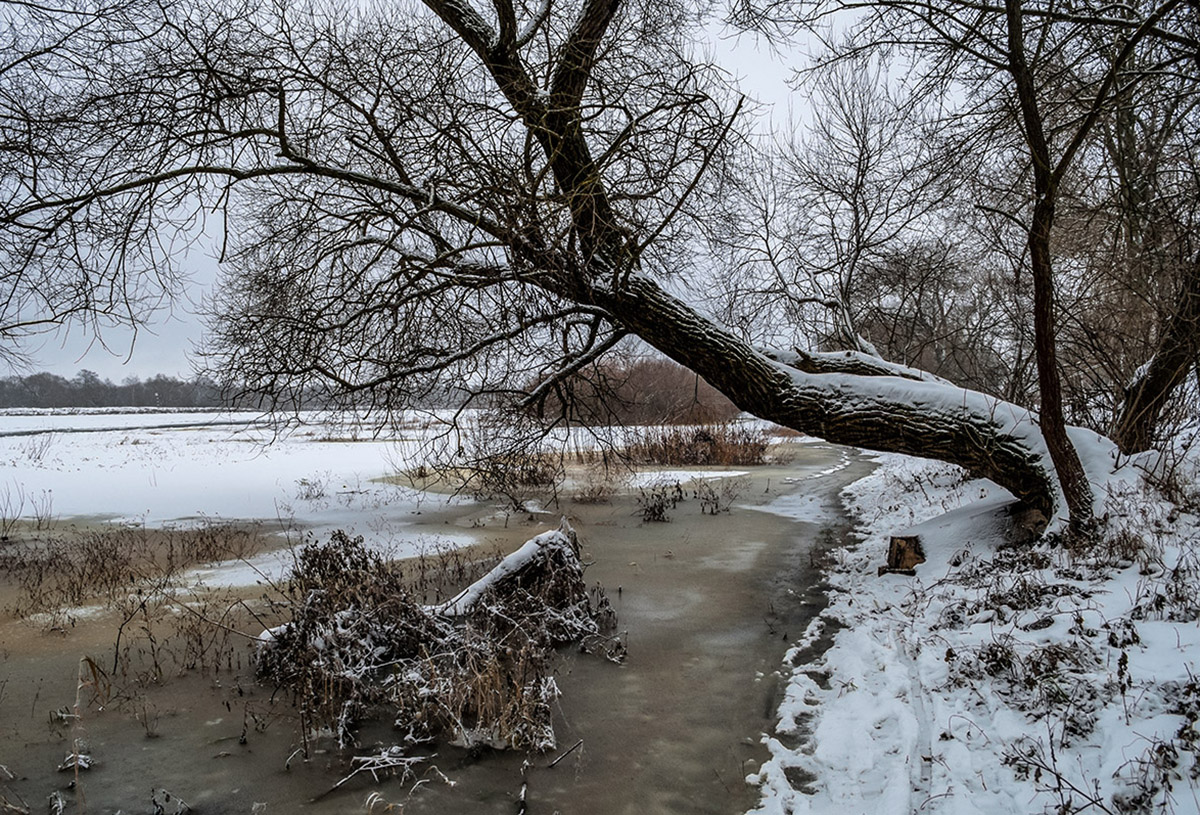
x=542, y=579
x=848, y=362
x=854, y=403
x=558, y=544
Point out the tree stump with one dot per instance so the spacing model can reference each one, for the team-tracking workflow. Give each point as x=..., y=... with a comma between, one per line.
x=904, y=554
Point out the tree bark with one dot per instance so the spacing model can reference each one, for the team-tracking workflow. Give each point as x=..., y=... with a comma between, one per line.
x=1178, y=347
x=1076, y=490
x=1075, y=487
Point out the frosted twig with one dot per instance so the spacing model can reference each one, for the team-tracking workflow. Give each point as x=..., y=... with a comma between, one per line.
x=570, y=750
x=388, y=761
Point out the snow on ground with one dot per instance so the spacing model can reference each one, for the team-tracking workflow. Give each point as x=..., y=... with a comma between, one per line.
x=179, y=467
x=661, y=478
x=801, y=505
x=997, y=681
x=35, y=421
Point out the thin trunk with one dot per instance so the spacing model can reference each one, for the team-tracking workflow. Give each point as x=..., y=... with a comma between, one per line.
x=1076, y=490
x=1075, y=487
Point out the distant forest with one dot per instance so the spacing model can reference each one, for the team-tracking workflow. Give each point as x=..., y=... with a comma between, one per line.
x=87, y=390
x=626, y=392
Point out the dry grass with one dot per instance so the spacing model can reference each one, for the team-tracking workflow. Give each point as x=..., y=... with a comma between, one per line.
x=598, y=484
x=135, y=576
x=105, y=566
x=701, y=445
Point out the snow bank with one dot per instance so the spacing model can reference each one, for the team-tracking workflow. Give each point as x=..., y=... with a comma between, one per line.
x=997, y=681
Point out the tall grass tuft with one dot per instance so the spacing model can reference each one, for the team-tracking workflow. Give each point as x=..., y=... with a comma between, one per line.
x=699, y=445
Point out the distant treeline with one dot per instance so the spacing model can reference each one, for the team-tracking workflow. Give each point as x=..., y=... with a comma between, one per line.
x=87, y=389
x=627, y=392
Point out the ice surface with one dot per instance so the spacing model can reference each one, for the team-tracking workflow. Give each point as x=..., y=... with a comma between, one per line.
x=183, y=468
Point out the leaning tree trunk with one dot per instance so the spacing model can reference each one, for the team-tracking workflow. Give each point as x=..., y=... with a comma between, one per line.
x=988, y=437
x=848, y=400
x=1147, y=395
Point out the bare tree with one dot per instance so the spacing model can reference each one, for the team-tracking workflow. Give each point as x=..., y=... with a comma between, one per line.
x=458, y=192
x=825, y=208
x=852, y=234
x=1152, y=213
x=85, y=269
x=1035, y=79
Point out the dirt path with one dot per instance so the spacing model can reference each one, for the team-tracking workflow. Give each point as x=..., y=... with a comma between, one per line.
x=707, y=606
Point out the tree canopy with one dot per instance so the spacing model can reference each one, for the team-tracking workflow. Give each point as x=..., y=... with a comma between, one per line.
x=493, y=195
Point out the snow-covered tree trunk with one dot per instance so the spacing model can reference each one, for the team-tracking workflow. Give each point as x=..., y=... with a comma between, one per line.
x=849, y=399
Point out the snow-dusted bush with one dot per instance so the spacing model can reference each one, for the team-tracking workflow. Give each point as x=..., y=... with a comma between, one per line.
x=475, y=669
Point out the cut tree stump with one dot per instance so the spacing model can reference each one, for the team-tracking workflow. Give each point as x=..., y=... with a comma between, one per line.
x=905, y=553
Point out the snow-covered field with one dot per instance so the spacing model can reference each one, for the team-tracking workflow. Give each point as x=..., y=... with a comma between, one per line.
x=178, y=468
x=172, y=468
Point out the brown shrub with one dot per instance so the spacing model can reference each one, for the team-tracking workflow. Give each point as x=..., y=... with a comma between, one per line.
x=715, y=444
x=639, y=392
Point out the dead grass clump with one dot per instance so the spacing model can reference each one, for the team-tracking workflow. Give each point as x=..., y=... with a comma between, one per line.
x=208, y=632
x=496, y=474
x=514, y=475
x=600, y=482
x=701, y=445
x=1112, y=546
x=105, y=566
x=351, y=622
x=1045, y=682
x=1172, y=595
x=656, y=502
x=719, y=498
x=475, y=669
x=135, y=574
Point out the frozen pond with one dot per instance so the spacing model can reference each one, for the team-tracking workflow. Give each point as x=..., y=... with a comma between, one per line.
x=707, y=606
x=184, y=467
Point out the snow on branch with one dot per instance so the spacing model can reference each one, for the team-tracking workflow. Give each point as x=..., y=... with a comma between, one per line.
x=848, y=362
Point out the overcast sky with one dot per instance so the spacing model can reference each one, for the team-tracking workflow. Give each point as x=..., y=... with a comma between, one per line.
x=168, y=344
x=164, y=346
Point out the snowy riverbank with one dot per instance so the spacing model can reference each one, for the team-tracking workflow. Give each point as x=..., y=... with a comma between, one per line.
x=997, y=681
